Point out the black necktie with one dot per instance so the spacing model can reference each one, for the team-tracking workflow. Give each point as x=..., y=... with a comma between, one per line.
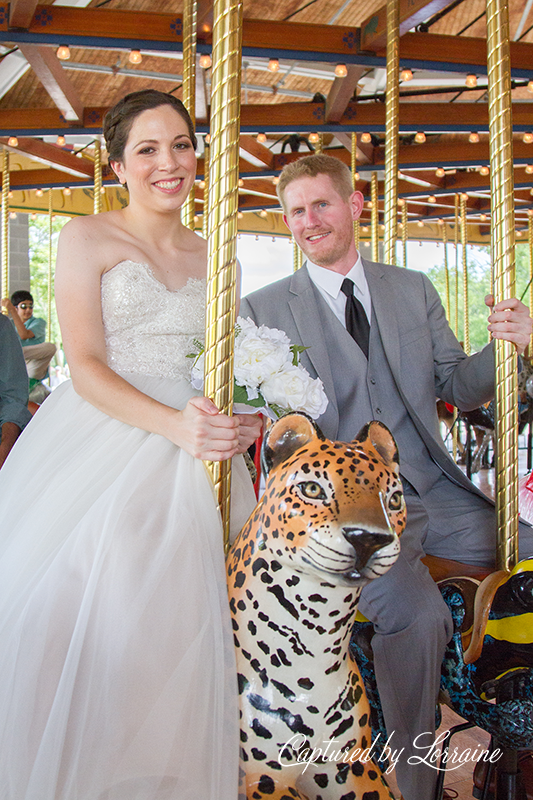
x=357, y=323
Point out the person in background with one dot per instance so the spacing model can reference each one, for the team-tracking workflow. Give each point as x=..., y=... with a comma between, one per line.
x=14, y=414
x=32, y=334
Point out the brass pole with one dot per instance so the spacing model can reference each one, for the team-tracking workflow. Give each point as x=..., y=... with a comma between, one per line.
x=374, y=216
x=354, y=184
x=446, y=270
x=295, y=256
x=223, y=208
x=456, y=243
x=5, y=224
x=466, y=315
x=189, y=88
x=205, y=218
x=404, y=232
x=530, y=240
x=392, y=103
x=503, y=258
x=97, y=176
x=319, y=146
x=50, y=259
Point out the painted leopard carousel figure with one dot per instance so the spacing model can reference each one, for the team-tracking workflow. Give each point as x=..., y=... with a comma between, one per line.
x=328, y=523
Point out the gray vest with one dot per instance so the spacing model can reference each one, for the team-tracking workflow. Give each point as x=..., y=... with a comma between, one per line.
x=371, y=393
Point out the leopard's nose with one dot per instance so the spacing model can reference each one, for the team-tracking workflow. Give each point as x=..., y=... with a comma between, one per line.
x=365, y=543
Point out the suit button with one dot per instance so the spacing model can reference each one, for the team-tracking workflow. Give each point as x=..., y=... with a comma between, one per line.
x=373, y=381
x=378, y=410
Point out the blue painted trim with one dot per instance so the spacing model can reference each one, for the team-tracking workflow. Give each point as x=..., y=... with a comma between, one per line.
x=97, y=41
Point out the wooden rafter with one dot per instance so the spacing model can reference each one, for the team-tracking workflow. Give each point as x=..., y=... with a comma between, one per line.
x=52, y=156
x=48, y=69
x=410, y=13
x=341, y=92
x=21, y=13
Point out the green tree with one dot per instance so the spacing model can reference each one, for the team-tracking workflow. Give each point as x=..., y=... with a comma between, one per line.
x=478, y=271
x=39, y=242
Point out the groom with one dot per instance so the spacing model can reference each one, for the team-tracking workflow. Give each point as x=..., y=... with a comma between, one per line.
x=386, y=352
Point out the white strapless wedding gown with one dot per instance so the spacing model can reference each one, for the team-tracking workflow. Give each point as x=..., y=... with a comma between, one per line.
x=117, y=670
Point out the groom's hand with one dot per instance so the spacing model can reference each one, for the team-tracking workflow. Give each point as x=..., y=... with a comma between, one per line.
x=510, y=320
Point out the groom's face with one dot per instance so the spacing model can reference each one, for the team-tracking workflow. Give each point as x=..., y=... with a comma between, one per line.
x=321, y=221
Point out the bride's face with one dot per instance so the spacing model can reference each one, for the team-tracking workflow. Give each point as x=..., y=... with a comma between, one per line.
x=159, y=163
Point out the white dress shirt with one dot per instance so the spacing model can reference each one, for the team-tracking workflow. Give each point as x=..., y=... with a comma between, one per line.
x=329, y=285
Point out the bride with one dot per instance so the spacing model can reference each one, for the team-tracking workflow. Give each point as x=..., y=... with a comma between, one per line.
x=117, y=674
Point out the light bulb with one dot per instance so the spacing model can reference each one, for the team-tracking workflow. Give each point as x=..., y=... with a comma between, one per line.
x=439, y=172
x=527, y=137
x=240, y=215
x=530, y=87
x=13, y=141
x=432, y=198
x=63, y=52
x=205, y=61
x=420, y=137
x=471, y=80
x=401, y=201
x=366, y=138
x=201, y=185
x=67, y=191
x=483, y=218
x=474, y=137
x=420, y=223
x=61, y=141
x=314, y=137
x=484, y=170
x=275, y=180
x=529, y=169
x=241, y=183
x=39, y=192
x=273, y=65
x=261, y=138
x=263, y=213
x=464, y=196
x=135, y=57
x=406, y=74
x=341, y=70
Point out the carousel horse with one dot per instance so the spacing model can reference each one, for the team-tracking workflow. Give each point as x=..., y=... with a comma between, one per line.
x=328, y=523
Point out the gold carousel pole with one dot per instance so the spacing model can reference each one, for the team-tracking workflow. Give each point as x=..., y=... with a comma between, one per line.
x=530, y=241
x=464, y=242
x=5, y=225
x=374, y=216
x=392, y=102
x=446, y=270
x=456, y=243
x=50, y=260
x=319, y=146
x=503, y=258
x=405, y=224
x=223, y=208
x=354, y=184
x=97, y=176
x=189, y=88
x=296, y=253
x=205, y=217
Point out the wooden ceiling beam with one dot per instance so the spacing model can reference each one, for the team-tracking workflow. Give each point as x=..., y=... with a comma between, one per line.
x=341, y=92
x=256, y=149
x=48, y=69
x=43, y=178
x=21, y=13
x=410, y=13
x=52, y=156
x=263, y=186
x=365, y=152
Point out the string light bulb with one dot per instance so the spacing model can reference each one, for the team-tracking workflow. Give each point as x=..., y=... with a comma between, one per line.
x=275, y=180
x=261, y=138
x=474, y=137
x=464, y=196
x=529, y=169
x=432, y=198
x=273, y=65
x=484, y=170
x=471, y=80
x=420, y=223
x=63, y=52
x=406, y=74
x=439, y=172
x=263, y=213
x=241, y=183
x=240, y=215
x=401, y=201
x=207, y=138
x=483, y=218
x=341, y=70
x=527, y=138
x=61, y=141
x=135, y=57
x=420, y=137
x=366, y=138
x=67, y=191
x=201, y=185
x=205, y=61
x=314, y=137
x=39, y=192
x=530, y=86
x=13, y=141
x=13, y=215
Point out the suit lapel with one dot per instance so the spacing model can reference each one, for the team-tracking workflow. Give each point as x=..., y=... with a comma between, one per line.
x=303, y=305
x=384, y=302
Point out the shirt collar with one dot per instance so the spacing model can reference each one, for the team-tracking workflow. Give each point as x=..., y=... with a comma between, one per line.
x=331, y=282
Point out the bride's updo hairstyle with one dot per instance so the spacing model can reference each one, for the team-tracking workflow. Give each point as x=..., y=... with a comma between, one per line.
x=119, y=120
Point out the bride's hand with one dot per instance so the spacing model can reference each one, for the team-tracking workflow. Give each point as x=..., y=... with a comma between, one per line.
x=249, y=429
x=206, y=433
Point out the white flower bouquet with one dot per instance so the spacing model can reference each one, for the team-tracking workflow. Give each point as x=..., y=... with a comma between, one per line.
x=268, y=375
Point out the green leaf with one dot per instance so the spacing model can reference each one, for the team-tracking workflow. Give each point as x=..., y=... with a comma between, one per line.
x=240, y=395
x=296, y=349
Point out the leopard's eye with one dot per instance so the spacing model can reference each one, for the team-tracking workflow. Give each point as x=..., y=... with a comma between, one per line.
x=396, y=501
x=312, y=490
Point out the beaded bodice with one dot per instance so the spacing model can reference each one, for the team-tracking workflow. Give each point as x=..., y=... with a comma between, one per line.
x=148, y=328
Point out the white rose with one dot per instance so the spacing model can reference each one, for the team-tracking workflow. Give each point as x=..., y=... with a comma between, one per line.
x=316, y=401
x=256, y=359
x=287, y=388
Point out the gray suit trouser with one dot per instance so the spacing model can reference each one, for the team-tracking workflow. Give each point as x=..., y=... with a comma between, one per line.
x=411, y=634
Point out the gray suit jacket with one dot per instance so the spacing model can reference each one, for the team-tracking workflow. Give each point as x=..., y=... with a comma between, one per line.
x=425, y=358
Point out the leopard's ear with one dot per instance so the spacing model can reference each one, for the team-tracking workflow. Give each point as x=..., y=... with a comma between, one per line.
x=378, y=435
x=285, y=436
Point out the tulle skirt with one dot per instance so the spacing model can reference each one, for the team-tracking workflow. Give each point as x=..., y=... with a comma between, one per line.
x=117, y=669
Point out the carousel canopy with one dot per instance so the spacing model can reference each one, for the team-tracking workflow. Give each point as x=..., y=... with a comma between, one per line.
x=309, y=67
